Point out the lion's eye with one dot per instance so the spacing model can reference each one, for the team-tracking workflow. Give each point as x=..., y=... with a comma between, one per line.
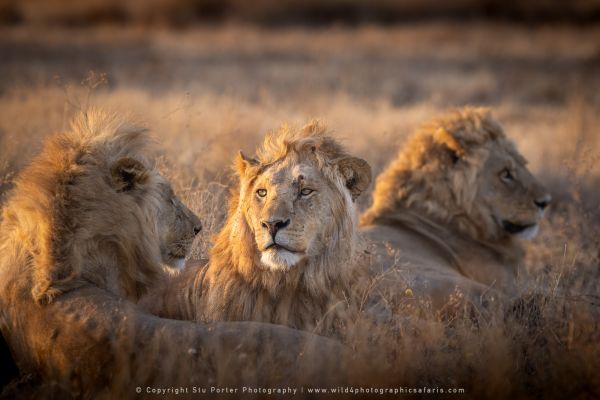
x=261, y=192
x=506, y=175
x=306, y=192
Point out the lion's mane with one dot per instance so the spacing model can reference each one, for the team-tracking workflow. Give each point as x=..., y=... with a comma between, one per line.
x=233, y=287
x=419, y=177
x=66, y=222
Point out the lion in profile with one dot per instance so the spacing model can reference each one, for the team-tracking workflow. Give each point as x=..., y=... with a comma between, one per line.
x=89, y=211
x=455, y=203
x=91, y=208
x=285, y=253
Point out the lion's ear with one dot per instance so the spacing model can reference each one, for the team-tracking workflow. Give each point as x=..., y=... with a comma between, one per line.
x=357, y=174
x=243, y=162
x=442, y=136
x=128, y=174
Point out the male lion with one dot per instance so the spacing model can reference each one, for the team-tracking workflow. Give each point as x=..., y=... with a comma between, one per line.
x=285, y=252
x=90, y=208
x=455, y=203
x=87, y=227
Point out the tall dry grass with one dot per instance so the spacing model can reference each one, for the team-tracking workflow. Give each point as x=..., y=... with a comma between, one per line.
x=208, y=93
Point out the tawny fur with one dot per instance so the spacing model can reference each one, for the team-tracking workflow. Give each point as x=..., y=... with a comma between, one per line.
x=234, y=286
x=69, y=219
x=442, y=189
x=91, y=211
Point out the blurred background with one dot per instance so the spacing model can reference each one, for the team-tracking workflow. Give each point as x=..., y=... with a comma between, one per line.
x=179, y=13
x=211, y=77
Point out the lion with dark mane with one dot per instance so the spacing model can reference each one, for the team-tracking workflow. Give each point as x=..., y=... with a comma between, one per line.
x=286, y=251
x=454, y=204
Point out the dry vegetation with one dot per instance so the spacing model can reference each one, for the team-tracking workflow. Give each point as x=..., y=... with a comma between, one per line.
x=210, y=92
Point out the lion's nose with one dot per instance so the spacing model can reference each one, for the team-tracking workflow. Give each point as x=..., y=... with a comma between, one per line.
x=543, y=202
x=197, y=229
x=274, y=226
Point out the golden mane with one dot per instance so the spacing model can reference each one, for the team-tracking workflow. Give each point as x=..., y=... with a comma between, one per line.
x=313, y=136
x=457, y=201
x=90, y=211
x=234, y=287
x=68, y=216
x=418, y=178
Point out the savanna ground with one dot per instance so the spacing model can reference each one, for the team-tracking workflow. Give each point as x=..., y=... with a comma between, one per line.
x=208, y=92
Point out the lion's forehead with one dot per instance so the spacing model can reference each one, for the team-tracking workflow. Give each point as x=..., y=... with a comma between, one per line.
x=505, y=149
x=498, y=158
x=286, y=175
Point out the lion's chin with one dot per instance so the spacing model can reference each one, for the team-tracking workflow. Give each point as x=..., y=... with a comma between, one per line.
x=176, y=263
x=280, y=259
x=521, y=231
x=530, y=233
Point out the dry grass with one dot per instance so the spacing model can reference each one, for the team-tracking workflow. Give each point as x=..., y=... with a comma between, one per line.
x=208, y=93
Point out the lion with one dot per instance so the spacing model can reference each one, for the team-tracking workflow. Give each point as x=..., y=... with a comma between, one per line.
x=286, y=251
x=93, y=209
x=89, y=227
x=455, y=203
